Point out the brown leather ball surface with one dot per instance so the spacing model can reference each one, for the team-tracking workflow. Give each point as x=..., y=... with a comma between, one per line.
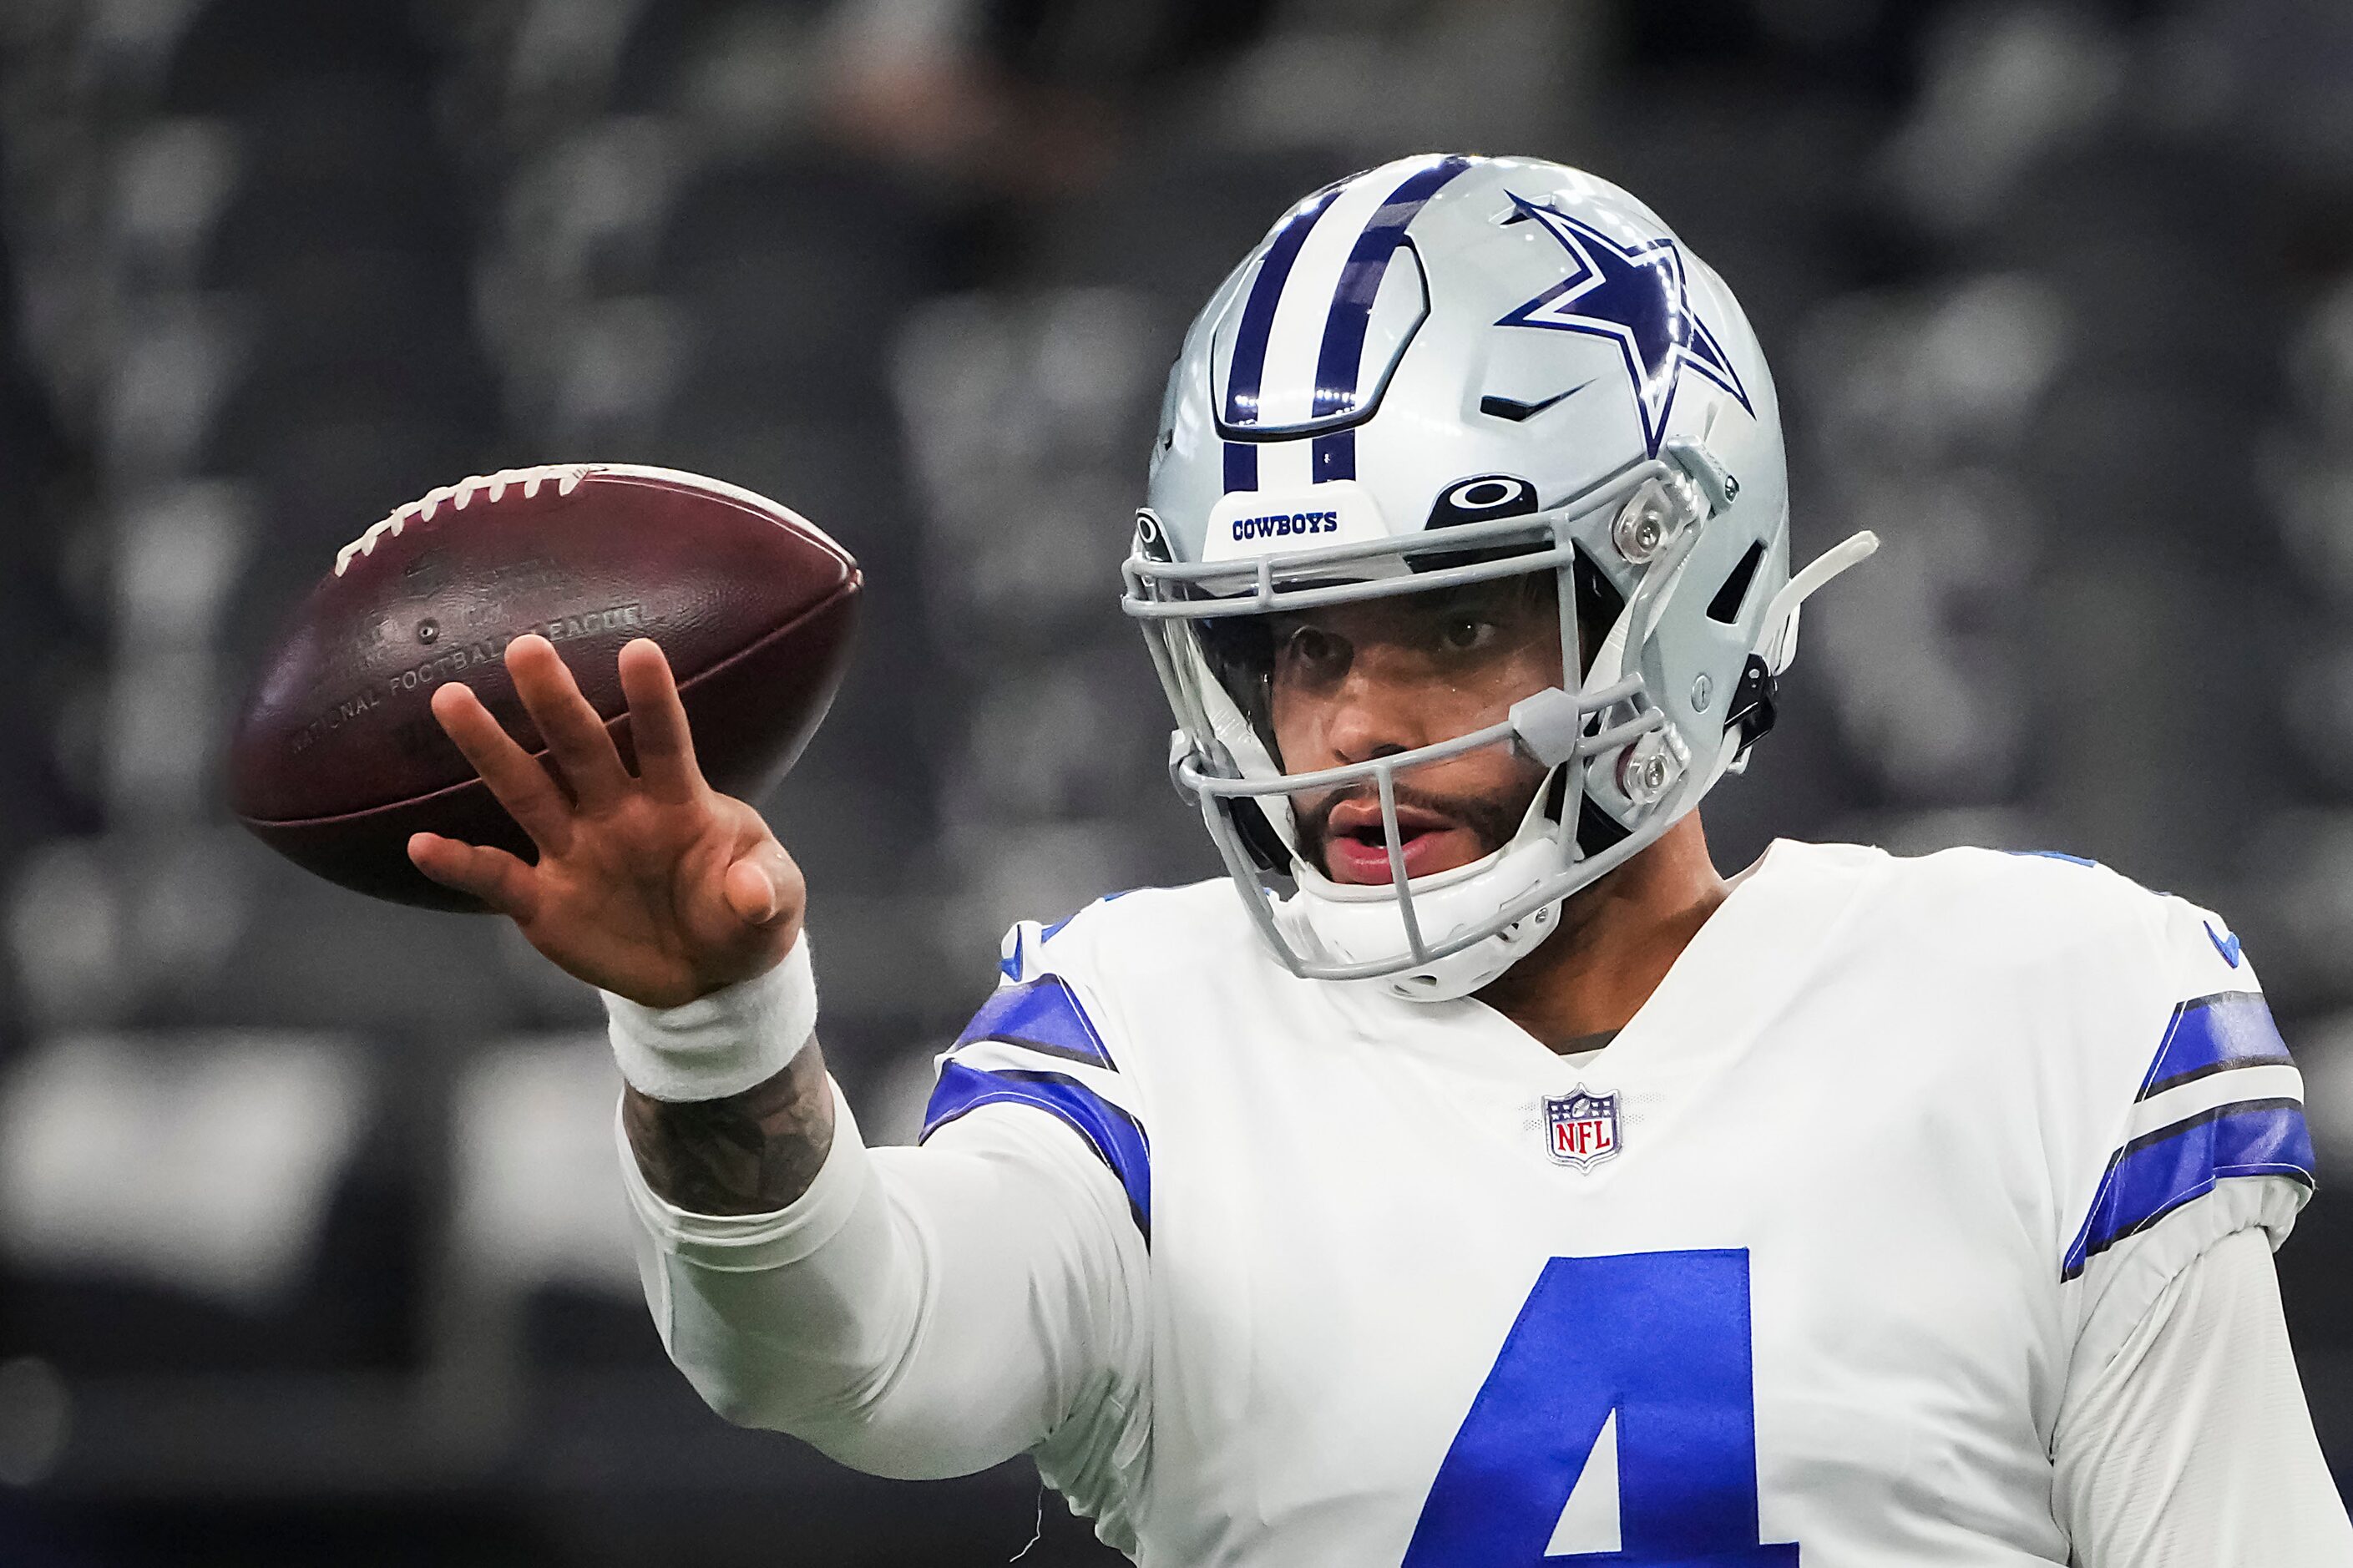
x=337, y=759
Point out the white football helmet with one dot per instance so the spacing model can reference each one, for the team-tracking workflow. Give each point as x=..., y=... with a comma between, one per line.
x=1446, y=371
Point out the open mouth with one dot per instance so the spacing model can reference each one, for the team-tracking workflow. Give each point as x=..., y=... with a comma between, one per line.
x=1356, y=849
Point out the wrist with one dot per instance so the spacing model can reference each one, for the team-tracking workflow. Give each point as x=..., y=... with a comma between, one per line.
x=720, y=1045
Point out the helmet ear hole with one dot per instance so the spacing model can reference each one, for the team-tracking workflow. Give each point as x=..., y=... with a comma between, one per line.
x=1725, y=608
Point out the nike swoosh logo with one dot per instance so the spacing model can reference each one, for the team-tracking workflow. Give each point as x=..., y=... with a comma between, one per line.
x=2227, y=946
x=1512, y=409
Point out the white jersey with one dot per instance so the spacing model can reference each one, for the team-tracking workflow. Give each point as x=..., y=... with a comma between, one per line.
x=1797, y=1269
x=1800, y=1262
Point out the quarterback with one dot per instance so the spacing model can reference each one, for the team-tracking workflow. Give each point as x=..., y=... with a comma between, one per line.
x=1472, y=1176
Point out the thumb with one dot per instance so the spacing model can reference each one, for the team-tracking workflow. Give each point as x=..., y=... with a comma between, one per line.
x=754, y=886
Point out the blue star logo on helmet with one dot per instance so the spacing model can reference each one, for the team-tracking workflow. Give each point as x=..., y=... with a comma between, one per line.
x=1637, y=294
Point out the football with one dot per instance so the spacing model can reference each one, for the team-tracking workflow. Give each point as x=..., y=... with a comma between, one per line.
x=337, y=759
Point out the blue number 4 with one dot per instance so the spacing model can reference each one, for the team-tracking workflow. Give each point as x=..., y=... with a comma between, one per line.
x=1660, y=1341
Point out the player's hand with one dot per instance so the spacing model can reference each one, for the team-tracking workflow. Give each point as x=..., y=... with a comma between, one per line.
x=653, y=886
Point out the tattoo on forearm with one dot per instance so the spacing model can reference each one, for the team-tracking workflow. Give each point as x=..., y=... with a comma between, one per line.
x=751, y=1153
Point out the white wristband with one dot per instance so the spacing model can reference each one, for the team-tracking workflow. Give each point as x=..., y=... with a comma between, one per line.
x=718, y=1044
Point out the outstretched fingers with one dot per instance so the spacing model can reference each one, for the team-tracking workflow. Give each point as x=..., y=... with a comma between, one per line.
x=515, y=777
x=493, y=876
x=658, y=725
x=576, y=737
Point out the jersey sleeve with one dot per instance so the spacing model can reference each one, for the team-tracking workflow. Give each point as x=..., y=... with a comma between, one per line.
x=931, y=1312
x=2206, y=1137
x=922, y=1312
x=1035, y=1044
x=1034, y=1068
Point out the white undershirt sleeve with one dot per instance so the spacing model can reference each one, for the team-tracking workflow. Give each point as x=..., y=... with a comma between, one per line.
x=2190, y=1445
x=922, y=1312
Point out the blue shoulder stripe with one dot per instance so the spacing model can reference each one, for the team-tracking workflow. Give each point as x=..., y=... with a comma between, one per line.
x=2053, y=855
x=2152, y=1176
x=2212, y=1034
x=1043, y=1016
x=1012, y=965
x=1116, y=1137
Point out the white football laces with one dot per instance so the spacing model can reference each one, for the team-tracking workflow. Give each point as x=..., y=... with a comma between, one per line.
x=491, y=488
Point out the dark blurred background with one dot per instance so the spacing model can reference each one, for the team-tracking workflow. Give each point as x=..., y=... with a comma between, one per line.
x=311, y=1246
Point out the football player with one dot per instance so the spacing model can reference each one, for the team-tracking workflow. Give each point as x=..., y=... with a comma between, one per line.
x=1473, y=1176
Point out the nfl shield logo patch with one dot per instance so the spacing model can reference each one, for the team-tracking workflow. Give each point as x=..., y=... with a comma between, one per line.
x=1581, y=1128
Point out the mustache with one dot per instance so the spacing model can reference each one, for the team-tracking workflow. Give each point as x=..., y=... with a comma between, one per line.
x=1491, y=821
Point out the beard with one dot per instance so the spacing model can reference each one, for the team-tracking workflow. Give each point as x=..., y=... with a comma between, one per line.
x=1491, y=821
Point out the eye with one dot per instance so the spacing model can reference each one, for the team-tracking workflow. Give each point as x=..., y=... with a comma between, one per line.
x=1311, y=651
x=1465, y=633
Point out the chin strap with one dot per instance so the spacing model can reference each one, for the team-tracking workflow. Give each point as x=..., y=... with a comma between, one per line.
x=1781, y=623
x=1751, y=711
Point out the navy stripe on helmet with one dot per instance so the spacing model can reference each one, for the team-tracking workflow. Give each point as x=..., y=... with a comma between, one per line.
x=1241, y=466
x=1243, y=376
x=1342, y=356
x=1333, y=456
x=1249, y=369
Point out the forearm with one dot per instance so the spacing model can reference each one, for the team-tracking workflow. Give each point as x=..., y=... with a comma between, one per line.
x=914, y=1312
x=726, y=1106
x=787, y=1317
x=753, y=1152
x=911, y=1312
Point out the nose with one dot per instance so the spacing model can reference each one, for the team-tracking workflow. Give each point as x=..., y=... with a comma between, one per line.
x=1373, y=713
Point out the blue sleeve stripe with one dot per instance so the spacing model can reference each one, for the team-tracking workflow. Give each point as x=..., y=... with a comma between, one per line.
x=2153, y=1175
x=2212, y=1034
x=1043, y=1016
x=1116, y=1137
